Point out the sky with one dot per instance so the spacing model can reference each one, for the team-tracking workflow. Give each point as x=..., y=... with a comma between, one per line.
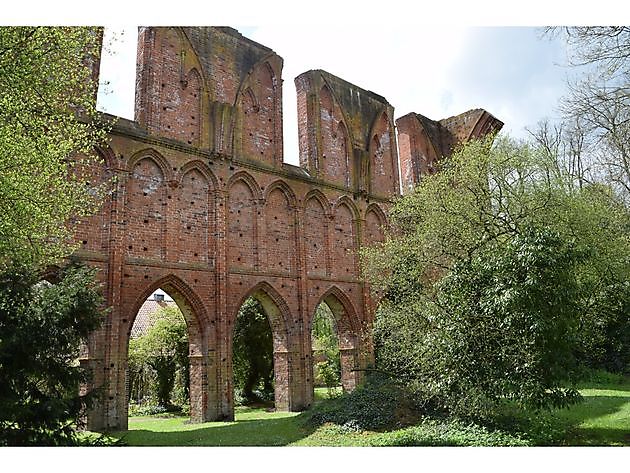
x=514, y=73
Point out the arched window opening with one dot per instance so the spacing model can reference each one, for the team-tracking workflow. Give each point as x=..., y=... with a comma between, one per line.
x=253, y=356
x=158, y=361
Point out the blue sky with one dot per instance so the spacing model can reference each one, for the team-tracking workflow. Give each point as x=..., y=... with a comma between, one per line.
x=437, y=71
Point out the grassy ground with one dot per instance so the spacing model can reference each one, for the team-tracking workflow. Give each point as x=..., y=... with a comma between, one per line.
x=602, y=419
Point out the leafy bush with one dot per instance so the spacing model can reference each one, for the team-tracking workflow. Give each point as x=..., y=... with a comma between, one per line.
x=379, y=404
x=441, y=432
x=328, y=375
x=598, y=377
x=499, y=276
x=42, y=326
x=252, y=354
x=159, y=358
x=146, y=409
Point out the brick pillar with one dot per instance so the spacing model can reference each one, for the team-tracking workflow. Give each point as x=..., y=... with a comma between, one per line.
x=218, y=366
x=198, y=389
x=105, y=415
x=281, y=373
x=349, y=361
x=306, y=358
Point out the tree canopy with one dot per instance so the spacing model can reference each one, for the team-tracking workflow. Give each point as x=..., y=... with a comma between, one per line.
x=597, y=104
x=492, y=270
x=252, y=349
x=48, y=130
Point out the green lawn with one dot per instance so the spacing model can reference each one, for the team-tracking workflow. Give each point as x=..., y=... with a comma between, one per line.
x=603, y=419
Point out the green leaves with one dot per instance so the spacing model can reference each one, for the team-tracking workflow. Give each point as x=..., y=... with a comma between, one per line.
x=41, y=329
x=492, y=270
x=48, y=130
x=252, y=351
x=157, y=356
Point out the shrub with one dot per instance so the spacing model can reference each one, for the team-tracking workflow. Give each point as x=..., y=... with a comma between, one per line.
x=379, y=404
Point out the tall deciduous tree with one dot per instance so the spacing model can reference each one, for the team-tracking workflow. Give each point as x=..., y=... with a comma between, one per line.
x=48, y=130
x=493, y=269
x=252, y=350
x=600, y=98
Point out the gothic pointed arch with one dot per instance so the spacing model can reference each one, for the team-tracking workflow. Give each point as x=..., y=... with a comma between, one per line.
x=186, y=298
x=243, y=209
x=190, y=108
x=196, y=214
x=344, y=240
x=201, y=337
x=249, y=181
x=276, y=309
x=317, y=212
x=320, y=197
x=348, y=330
x=257, y=127
x=280, y=228
x=155, y=156
x=145, y=195
x=202, y=168
x=375, y=222
x=335, y=144
x=106, y=153
x=285, y=189
x=347, y=201
x=381, y=151
x=342, y=307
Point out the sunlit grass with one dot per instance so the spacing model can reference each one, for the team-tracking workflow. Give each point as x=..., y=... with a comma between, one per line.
x=602, y=419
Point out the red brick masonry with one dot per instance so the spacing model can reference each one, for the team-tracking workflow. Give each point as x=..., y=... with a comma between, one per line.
x=203, y=206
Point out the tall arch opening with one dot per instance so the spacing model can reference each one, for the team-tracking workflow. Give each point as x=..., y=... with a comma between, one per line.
x=252, y=356
x=265, y=372
x=325, y=349
x=334, y=344
x=165, y=365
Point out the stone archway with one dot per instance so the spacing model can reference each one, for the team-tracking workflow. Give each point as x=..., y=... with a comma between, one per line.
x=348, y=332
x=201, y=390
x=276, y=310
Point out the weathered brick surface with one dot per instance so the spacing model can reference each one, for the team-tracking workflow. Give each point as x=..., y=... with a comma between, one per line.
x=422, y=142
x=203, y=207
x=346, y=134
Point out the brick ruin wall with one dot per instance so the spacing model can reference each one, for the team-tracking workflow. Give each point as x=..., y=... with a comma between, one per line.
x=203, y=206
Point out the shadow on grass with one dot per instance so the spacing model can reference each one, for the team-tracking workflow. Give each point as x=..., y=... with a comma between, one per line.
x=258, y=432
x=597, y=430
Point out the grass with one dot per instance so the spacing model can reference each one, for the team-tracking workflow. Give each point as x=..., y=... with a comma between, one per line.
x=602, y=419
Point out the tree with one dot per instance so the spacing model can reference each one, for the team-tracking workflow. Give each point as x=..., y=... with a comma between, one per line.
x=600, y=97
x=489, y=273
x=41, y=328
x=48, y=130
x=252, y=351
x=164, y=348
x=326, y=344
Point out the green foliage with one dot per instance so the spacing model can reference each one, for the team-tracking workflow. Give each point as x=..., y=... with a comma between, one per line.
x=492, y=268
x=48, y=129
x=159, y=355
x=379, y=404
x=602, y=419
x=328, y=375
x=252, y=361
x=325, y=345
x=41, y=328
